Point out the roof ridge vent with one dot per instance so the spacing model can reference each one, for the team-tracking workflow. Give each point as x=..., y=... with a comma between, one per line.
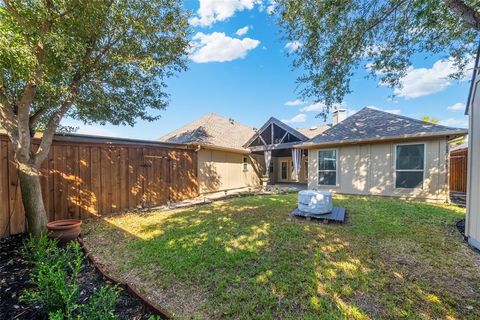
x=313, y=128
x=231, y=120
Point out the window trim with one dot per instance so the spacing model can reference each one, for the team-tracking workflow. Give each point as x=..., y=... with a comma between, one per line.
x=305, y=173
x=336, y=168
x=409, y=170
x=245, y=164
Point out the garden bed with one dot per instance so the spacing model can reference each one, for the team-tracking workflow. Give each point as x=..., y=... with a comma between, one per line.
x=14, y=279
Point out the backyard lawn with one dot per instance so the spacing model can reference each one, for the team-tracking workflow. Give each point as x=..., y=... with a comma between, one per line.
x=247, y=258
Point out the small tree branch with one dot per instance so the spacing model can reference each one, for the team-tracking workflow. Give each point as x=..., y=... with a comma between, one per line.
x=469, y=15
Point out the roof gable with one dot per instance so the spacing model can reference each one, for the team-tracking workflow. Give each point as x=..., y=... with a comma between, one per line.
x=275, y=132
x=371, y=124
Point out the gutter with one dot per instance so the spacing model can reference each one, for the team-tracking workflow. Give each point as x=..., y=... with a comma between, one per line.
x=219, y=148
x=453, y=134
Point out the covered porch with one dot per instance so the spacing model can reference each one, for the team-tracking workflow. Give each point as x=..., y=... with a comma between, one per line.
x=284, y=163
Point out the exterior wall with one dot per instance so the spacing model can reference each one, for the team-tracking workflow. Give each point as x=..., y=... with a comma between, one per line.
x=369, y=169
x=277, y=171
x=472, y=230
x=222, y=170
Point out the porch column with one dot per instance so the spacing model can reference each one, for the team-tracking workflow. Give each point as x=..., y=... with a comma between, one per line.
x=297, y=162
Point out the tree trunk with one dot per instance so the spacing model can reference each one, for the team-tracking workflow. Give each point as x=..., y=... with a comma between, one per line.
x=32, y=199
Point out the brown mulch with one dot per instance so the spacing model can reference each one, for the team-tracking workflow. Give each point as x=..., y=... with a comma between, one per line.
x=14, y=279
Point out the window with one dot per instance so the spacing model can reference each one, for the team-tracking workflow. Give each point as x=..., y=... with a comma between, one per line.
x=271, y=166
x=409, y=165
x=284, y=172
x=245, y=164
x=327, y=167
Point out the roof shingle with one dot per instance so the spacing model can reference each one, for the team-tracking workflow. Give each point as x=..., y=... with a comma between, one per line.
x=211, y=129
x=372, y=124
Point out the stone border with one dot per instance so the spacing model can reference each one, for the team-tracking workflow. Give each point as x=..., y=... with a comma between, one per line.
x=160, y=311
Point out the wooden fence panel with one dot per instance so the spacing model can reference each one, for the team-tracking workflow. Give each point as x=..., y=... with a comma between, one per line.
x=85, y=179
x=458, y=170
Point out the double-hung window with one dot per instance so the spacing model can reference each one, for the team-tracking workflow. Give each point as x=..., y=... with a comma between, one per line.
x=327, y=167
x=245, y=164
x=409, y=165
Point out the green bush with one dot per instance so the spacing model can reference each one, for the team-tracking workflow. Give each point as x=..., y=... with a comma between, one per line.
x=55, y=276
x=101, y=305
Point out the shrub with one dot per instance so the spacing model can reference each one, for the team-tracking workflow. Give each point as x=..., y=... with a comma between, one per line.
x=57, y=288
x=101, y=305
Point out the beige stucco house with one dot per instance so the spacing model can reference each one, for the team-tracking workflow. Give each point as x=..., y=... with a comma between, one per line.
x=472, y=223
x=371, y=152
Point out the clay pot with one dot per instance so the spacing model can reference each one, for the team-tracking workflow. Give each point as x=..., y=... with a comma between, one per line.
x=64, y=230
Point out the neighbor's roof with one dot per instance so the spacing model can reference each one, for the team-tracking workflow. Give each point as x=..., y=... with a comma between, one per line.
x=370, y=124
x=212, y=130
x=313, y=131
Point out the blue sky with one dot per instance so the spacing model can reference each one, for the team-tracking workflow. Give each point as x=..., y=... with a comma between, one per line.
x=239, y=68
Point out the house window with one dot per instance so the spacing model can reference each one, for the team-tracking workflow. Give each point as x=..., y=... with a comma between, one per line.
x=245, y=164
x=327, y=167
x=409, y=165
x=271, y=166
x=284, y=173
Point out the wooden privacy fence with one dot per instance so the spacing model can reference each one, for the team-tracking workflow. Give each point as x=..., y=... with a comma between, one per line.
x=86, y=176
x=458, y=170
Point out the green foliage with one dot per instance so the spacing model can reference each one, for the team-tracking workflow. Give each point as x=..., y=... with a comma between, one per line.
x=430, y=119
x=55, y=275
x=57, y=288
x=339, y=36
x=101, y=305
x=113, y=56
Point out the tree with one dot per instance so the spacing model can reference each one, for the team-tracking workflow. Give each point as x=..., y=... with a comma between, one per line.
x=97, y=61
x=430, y=119
x=338, y=36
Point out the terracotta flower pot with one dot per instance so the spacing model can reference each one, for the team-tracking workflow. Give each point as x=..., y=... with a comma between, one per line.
x=64, y=230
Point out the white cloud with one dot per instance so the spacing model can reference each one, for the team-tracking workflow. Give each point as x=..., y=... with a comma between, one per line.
x=301, y=117
x=294, y=103
x=242, y=31
x=211, y=11
x=293, y=46
x=459, y=106
x=420, y=82
x=319, y=107
x=394, y=111
x=217, y=47
x=454, y=122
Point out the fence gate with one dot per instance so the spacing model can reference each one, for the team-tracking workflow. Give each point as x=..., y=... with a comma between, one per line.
x=458, y=170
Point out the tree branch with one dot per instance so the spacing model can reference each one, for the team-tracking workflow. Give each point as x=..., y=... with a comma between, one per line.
x=468, y=14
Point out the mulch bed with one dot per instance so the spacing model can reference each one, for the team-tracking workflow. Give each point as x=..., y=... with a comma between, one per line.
x=14, y=279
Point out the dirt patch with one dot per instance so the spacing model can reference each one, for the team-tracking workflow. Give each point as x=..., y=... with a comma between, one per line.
x=14, y=279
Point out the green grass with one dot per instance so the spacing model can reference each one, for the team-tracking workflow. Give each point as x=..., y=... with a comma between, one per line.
x=247, y=259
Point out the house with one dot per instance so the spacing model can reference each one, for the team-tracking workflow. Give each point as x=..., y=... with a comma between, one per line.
x=223, y=163
x=371, y=152
x=472, y=223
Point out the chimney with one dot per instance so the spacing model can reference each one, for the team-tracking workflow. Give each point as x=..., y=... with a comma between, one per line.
x=338, y=116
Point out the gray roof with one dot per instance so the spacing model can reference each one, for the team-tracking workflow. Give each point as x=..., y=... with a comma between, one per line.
x=211, y=129
x=371, y=124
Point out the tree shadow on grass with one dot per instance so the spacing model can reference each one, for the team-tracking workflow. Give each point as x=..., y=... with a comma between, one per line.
x=246, y=258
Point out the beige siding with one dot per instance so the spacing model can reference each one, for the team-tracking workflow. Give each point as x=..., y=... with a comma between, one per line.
x=473, y=182
x=370, y=169
x=222, y=170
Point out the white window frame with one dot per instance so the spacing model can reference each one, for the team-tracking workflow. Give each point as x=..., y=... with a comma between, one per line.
x=336, y=168
x=281, y=178
x=245, y=164
x=409, y=170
